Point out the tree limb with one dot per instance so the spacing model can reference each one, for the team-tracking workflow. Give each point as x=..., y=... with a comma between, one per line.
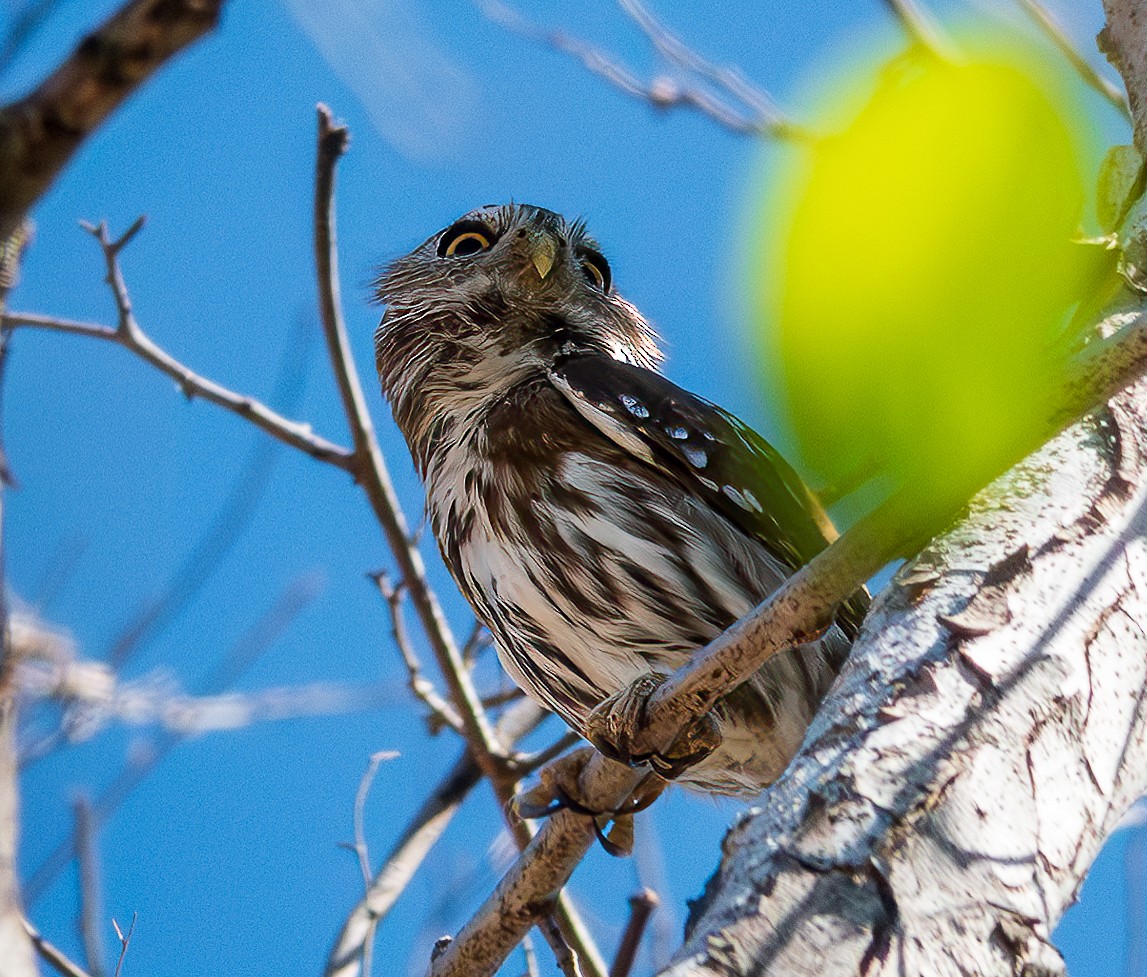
x=292, y=433
x=40, y=132
x=786, y=619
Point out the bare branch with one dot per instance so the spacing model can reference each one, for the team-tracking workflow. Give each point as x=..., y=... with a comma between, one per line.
x=91, y=886
x=722, y=94
x=420, y=835
x=371, y=470
x=641, y=906
x=440, y=712
x=40, y=132
x=920, y=26
x=292, y=433
x=124, y=941
x=53, y=956
x=1054, y=32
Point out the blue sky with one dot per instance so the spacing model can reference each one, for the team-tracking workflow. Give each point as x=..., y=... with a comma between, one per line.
x=229, y=850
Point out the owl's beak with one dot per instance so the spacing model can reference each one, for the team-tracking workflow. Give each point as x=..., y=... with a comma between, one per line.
x=543, y=251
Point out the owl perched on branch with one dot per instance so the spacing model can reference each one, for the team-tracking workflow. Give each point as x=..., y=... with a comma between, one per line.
x=602, y=522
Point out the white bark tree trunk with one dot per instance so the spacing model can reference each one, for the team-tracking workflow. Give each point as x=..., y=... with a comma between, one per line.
x=985, y=737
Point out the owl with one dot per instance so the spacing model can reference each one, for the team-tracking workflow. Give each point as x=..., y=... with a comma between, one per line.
x=602, y=522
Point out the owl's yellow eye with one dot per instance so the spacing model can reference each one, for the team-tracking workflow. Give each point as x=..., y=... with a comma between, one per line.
x=463, y=239
x=596, y=270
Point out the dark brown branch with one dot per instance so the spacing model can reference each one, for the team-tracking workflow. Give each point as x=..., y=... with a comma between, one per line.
x=40, y=132
x=641, y=906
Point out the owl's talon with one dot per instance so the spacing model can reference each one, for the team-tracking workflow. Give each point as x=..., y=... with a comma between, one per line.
x=559, y=789
x=616, y=728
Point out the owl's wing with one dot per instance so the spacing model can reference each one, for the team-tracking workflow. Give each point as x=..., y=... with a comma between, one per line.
x=708, y=450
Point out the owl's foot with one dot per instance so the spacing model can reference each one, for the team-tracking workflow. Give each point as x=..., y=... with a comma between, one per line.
x=617, y=728
x=559, y=789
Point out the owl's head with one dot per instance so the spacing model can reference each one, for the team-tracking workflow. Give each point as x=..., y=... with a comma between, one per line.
x=492, y=302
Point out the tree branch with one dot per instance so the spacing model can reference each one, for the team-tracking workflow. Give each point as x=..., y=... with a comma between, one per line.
x=374, y=477
x=1054, y=32
x=40, y=132
x=292, y=433
x=725, y=95
x=789, y=617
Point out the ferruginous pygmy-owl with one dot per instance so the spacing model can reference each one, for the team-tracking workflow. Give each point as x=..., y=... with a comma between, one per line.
x=602, y=522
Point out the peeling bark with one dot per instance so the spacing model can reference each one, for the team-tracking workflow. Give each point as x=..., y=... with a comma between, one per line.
x=986, y=735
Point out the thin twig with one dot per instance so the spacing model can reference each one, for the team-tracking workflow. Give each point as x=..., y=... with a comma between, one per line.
x=531, y=958
x=1054, y=32
x=756, y=115
x=293, y=433
x=439, y=712
x=52, y=955
x=641, y=906
x=369, y=467
x=566, y=959
x=91, y=886
x=420, y=835
x=360, y=847
x=124, y=941
x=920, y=26
x=247, y=650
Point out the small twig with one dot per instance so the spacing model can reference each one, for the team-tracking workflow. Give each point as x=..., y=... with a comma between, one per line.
x=293, y=433
x=566, y=959
x=920, y=26
x=416, y=841
x=478, y=641
x=91, y=887
x=52, y=955
x=641, y=906
x=124, y=941
x=1054, y=32
x=531, y=958
x=369, y=468
x=360, y=847
x=501, y=698
x=440, y=712
x=756, y=115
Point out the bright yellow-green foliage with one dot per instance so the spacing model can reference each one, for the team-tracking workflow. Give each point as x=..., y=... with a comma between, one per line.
x=919, y=270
